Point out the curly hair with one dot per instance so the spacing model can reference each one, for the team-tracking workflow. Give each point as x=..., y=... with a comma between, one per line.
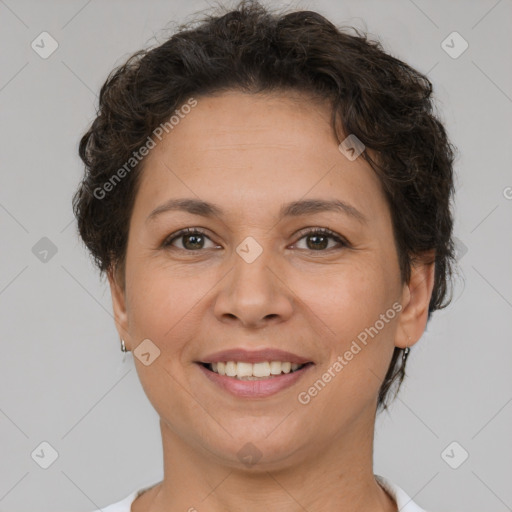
x=383, y=101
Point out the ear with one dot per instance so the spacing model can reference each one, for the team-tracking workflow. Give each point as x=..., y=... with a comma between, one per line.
x=415, y=301
x=117, y=290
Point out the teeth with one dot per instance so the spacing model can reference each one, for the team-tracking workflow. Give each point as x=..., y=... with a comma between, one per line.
x=244, y=370
x=275, y=367
x=231, y=368
x=249, y=371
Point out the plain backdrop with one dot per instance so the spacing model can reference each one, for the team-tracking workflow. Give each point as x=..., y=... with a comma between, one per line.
x=62, y=379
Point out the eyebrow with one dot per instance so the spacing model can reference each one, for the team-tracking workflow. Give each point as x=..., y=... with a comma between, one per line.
x=293, y=209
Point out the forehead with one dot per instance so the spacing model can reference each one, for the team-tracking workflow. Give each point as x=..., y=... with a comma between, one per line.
x=235, y=120
x=255, y=149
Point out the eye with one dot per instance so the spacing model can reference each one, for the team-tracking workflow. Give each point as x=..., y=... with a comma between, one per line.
x=319, y=239
x=193, y=239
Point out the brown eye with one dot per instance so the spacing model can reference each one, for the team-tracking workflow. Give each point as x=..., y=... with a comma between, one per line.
x=192, y=239
x=193, y=242
x=318, y=239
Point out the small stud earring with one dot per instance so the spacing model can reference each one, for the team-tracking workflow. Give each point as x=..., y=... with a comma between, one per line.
x=123, y=346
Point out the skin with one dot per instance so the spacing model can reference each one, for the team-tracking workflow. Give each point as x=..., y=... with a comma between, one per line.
x=249, y=154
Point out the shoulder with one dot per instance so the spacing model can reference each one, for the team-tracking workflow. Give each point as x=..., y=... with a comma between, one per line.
x=125, y=505
x=404, y=502
x=120, y=506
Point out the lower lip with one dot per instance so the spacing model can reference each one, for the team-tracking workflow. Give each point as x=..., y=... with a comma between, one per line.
x=255, y=388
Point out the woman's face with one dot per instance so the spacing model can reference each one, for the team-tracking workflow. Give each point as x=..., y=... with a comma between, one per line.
x=254, y=279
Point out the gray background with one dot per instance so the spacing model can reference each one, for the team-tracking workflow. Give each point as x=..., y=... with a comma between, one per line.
x=62, y=379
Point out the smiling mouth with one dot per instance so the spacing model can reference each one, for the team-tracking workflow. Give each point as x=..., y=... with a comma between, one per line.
x=253, y=371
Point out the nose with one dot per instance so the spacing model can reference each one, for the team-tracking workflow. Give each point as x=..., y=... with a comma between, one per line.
x=254, y=294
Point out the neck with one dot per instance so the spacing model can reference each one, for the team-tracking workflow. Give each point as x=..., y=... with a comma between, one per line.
x=328, y=478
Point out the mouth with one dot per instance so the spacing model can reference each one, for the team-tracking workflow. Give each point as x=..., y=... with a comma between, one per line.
x=253, y=380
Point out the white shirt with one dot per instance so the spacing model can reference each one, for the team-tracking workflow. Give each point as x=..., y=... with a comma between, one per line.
x=403, y=501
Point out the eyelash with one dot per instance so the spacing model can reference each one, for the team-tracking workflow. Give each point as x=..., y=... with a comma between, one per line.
x=198, y=231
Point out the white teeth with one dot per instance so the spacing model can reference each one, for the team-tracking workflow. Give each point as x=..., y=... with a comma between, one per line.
x=275, y=367
x=286, y=367
x=260, y=369
x=244, y=370
x=231, y=369
x=247, y=371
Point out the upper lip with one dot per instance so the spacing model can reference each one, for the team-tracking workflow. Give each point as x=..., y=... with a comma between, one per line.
x=254, y=356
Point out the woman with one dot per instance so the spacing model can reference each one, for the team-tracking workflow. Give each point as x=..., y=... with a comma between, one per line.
x=270, y=199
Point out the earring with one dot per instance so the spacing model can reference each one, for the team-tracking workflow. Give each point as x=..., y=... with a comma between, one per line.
x=121, y=366
x=405, y=353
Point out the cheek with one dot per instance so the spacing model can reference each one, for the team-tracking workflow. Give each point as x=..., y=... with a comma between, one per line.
x=348, y=299
x=353, y=309
x=163, y=303
x=166, y=310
